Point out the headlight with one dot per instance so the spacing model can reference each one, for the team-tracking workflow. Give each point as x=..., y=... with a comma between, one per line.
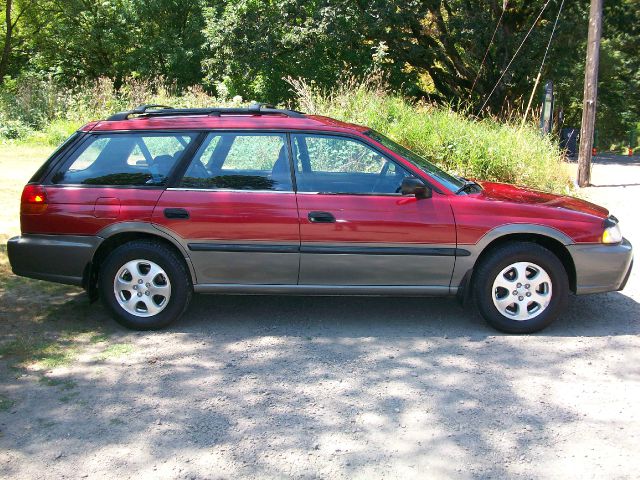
x=612, y=234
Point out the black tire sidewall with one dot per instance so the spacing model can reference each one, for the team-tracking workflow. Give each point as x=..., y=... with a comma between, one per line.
x=168, y=261
x=505, y=256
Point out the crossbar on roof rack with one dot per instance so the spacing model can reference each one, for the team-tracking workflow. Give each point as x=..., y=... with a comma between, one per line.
x=153, y=110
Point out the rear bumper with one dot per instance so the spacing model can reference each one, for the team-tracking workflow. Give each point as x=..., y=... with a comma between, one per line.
x=55, y=258
x=601, y=268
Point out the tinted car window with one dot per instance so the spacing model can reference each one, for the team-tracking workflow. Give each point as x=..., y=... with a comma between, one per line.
x=124, y=159
x=332, y=164
x=451, y=182
x=240, y=161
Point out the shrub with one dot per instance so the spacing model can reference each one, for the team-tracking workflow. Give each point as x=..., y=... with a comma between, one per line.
x=481, y=149
x=38, y=110
x=13, y=129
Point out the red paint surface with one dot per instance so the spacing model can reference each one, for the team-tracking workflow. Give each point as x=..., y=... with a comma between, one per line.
x=273, y=217
x=72, y=210
x=231, y=216
x=500, y=204
x=378, y=219
x=204, y=122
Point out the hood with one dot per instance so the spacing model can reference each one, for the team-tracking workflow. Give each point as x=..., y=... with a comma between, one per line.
x=510, y=193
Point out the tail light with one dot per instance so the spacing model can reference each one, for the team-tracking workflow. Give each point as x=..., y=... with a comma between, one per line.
x=34, y=199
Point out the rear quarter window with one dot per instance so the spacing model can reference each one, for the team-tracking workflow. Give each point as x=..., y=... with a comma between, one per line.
x=145, y=159
x=57, y=153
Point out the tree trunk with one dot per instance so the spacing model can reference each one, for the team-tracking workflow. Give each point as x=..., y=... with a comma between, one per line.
x=6, y=50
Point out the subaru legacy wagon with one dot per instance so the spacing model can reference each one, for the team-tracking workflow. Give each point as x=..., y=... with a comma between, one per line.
x=151, y=205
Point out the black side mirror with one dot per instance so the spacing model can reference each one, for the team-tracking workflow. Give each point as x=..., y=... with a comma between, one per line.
x=415, y=186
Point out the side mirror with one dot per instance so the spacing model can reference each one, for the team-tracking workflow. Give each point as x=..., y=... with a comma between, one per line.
x=415, y=186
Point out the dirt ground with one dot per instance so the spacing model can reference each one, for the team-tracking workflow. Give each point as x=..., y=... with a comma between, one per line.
x=272, y=387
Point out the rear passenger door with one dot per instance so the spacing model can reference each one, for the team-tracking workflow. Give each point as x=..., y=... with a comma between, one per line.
x=235, y=209
x=111, y=177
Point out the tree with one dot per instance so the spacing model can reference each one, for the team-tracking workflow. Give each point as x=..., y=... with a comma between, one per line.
x=13, y=13
x=84, y=39
x=432, y=48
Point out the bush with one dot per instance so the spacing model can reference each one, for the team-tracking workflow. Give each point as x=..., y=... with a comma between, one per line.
x=13, y=129
x=481, y=149
x=38, y=110
x=56, y=132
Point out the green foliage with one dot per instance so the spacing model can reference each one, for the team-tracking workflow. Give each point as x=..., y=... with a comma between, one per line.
x=78, y=40
x=253, y=44
x=115, y=350
x=5, y=403
x=45, y=111
x=46, y=353
x=427, y=50
x=485, y=149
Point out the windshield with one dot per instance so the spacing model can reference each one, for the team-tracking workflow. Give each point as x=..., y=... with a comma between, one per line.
x=449, y=181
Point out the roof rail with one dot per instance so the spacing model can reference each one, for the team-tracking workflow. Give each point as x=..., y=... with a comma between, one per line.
x=153, y=110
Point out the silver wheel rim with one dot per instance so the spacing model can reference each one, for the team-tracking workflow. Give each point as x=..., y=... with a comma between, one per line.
x=522, y=291
x=142, y=288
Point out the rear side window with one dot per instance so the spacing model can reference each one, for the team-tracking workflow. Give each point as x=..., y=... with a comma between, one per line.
x=240, y=161
x=124, y=159
x=37, y=177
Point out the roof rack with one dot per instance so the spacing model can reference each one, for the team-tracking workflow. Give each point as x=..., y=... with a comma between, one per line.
x=153, y=110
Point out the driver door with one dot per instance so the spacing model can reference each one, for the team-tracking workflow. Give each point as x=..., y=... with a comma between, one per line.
x=357, y=228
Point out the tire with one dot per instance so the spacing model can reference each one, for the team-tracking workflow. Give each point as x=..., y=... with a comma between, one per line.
x=520, y=287
x=144, y=285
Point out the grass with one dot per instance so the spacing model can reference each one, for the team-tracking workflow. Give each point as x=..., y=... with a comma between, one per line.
x=43, y=325
x=481, y=149
x=57, y=382
x=115, y=350
x=486, y=149
x=40, y=352
x=99, y=338
x=5, y=403
x=17, y=164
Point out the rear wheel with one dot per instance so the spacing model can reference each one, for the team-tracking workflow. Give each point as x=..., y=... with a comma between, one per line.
x=145, y=285
x=521, y=287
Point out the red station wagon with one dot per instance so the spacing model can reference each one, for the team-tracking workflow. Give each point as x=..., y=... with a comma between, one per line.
x=153, y=204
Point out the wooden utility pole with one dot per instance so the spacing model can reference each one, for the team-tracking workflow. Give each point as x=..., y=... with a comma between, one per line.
x=590, y=93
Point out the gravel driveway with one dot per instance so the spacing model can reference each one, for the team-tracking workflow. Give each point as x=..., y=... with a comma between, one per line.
x=263, y=387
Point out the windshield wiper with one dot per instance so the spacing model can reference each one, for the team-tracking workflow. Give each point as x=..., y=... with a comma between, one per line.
x=467, y=184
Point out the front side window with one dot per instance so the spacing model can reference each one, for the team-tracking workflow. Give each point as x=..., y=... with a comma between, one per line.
x=332, y=164
x=451, y=182
x=124, y=159
x=240, y=161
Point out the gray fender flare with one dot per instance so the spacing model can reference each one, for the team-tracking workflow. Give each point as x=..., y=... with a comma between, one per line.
x=150, y=229
x=464, y=265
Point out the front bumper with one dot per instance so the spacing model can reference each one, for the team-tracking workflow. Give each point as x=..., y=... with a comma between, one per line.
x=601, y=268
x=55, y=258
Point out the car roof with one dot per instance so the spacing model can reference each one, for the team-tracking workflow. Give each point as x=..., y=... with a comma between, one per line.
x=224, y=122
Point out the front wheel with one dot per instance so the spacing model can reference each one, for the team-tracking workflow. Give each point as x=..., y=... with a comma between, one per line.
x=145, y=285
x=521, y=287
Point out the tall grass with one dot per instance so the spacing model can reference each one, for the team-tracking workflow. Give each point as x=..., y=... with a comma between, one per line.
x=40, y=111
x=482, y=149
x=37, y=111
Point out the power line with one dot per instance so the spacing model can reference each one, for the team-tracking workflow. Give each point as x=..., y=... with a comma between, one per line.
x=475, y=80
x=535, y=85
x=513, y=58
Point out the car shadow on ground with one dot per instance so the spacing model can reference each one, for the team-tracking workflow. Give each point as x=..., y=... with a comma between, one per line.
x=276, y=386
x=590, y=315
